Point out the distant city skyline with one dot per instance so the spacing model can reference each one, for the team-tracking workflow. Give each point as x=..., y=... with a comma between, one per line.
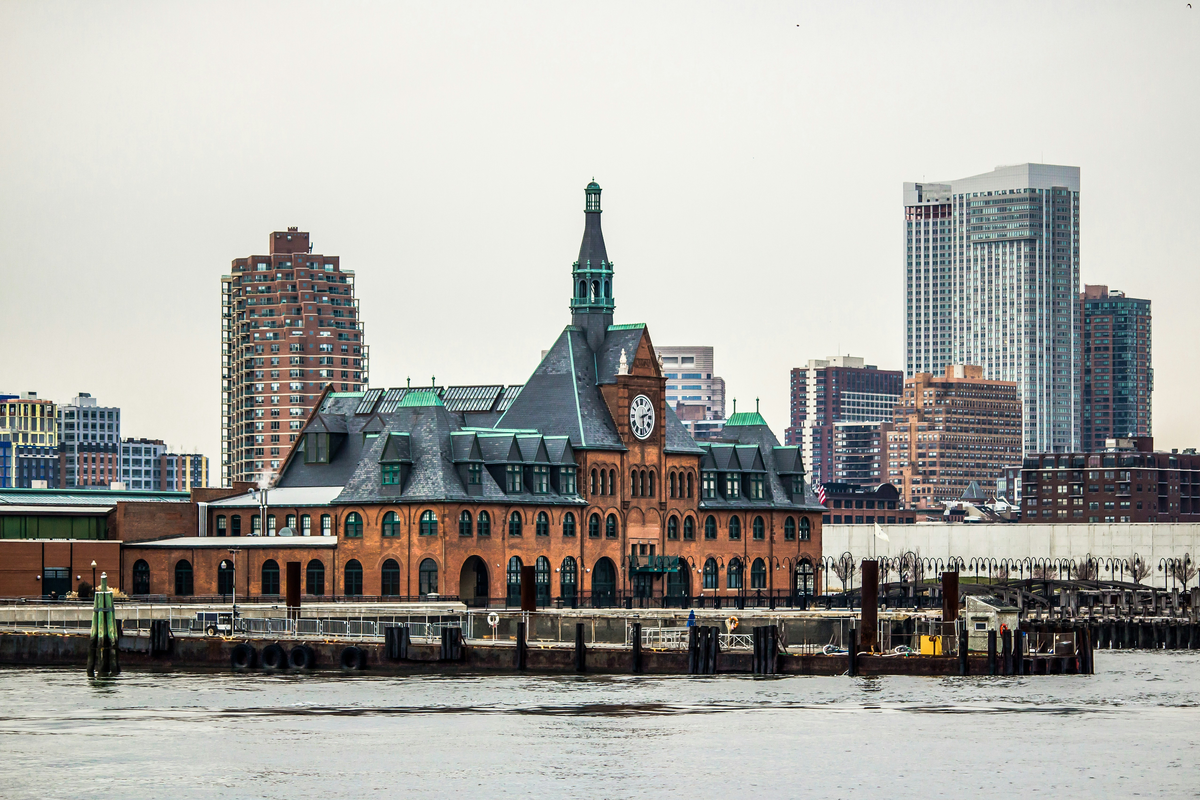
x=755, y=156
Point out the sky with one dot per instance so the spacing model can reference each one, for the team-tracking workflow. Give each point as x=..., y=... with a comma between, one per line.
x=752, y=158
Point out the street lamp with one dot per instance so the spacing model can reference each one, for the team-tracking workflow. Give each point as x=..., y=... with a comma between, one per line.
x=93, y=573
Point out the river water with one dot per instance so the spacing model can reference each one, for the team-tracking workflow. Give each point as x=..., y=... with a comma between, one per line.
x=1131, y=730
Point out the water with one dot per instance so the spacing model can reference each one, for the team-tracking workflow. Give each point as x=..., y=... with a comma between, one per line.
x=1131, y=730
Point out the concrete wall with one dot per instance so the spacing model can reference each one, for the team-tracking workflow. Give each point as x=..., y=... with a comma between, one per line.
x=1150, y=540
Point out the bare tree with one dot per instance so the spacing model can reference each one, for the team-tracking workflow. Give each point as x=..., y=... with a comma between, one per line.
x=845, y=570
x=1183, y=571
x=1139, y=569
x=1042, y=572
x=1085, y=570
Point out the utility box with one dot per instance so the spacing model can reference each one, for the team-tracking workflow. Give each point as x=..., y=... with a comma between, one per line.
x=987, y=613
x=931, y=645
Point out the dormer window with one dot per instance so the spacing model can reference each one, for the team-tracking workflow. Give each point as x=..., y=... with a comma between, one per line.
x=512, y=475
x=756, y=486
x=709, y=485
x=541, y=480
x=566, y=480
x=797, y=486
x=733, y=485
x=391, y=475
x=475, y=474
x=316, y=448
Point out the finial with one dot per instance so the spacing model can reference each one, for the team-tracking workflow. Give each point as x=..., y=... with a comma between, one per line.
x=432, y=381
x=408, y=382
x=756, y=405
x=660, y=361
x=735, y=405
x=623, y=365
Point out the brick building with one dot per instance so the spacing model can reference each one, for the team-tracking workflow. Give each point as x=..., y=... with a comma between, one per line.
x=1125, y=482
x=949, y=431
x=1118, y=380
x=860, y=453
x=852, y=504
x=289, y=328
x=832, y=390
x=586, y=474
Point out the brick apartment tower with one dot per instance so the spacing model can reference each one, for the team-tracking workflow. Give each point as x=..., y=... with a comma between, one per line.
x=289, y=328
x=1118, y=380
x=952, y=430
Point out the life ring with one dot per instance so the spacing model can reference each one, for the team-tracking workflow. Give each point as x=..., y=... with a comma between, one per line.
x=731, y=624
x=493, y=619
x=1003, y=629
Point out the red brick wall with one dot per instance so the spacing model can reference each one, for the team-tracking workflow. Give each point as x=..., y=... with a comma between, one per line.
x=136, y=522
x=21, y=562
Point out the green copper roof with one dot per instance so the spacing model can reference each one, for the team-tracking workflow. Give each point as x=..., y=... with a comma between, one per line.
x=417, y=398
x=629, y=326
x=346, y=394
x=745, y=418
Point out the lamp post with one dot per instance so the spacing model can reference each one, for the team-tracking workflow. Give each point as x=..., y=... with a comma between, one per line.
x=93, y=573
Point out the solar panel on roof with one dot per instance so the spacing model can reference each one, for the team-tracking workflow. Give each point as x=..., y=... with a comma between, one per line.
x=471, y=398
x=506, y=399
x=368, y=402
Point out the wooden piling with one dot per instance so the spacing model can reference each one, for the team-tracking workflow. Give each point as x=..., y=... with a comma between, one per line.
x=852, y=657
x=580, y=649
x=963, y=664
x=869, y=629
x=637, y=648
x=520, y=656
x=1006, y=660
x=991, y=652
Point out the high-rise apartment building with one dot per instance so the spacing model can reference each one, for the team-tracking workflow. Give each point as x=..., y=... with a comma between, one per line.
x=147, y=464
x=952, y=430
x=89, y=443
x=832, y=390
x=992, y=277
x=1117, y=377
x=290, y=326
x=696, y=394
x=28, y=441
x=860, y=453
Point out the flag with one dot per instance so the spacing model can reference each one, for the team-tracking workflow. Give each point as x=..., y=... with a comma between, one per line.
x=821, y=493
x=879, y=534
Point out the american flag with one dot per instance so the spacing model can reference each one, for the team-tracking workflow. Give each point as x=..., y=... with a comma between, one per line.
x=821, y=493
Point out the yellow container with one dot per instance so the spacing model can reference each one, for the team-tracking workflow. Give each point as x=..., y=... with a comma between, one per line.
x=931, y=645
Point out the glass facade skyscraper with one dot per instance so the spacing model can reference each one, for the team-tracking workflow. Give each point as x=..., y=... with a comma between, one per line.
x=992, y=279
x=1118, y=380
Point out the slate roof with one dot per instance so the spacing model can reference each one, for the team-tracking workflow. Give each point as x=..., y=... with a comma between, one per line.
x=754, y=448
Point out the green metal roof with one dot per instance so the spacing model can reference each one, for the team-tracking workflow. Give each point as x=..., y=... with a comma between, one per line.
x=745, y=418
x=628, y=326
x=420, y=398
x=346, y=394
x=85, y=497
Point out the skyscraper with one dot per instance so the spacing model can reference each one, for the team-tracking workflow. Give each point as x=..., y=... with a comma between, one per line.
x=832, y=390
x=992, y=278
x=289, y=327
x=1117, y=377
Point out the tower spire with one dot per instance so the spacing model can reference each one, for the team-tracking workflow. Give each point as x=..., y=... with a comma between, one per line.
x=592, y=275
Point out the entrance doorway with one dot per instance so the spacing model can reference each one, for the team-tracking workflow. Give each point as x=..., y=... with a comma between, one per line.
x=473, y=583
x=56, y=582
x=604, y=584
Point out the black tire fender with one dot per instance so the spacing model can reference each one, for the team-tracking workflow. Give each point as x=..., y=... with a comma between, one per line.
x=301, y=657
x=274, y=657
x=243, y=657
x=353, y=659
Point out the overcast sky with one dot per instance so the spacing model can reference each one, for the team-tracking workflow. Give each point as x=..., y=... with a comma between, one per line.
x=752, y=158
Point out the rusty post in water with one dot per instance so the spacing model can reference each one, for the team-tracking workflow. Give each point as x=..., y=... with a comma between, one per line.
x=528, y=589
x=869, y=630
x=293, y=589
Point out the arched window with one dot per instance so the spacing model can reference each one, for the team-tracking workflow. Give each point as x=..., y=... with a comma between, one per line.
x=514, y=524
x=391, y=524
x=633, y=483
x=758, y=574
x=604, y=583
x=290, y=521
x=583, y=290
x=568, y=579
x=642, y=482
x=465, y=524
x=759, y=529
x=607, y=289
x=353, y=525
x=710, y=527
x=603, y=482
x=305, y=525
x=326, y=525
x=689, y=528
x=673, y=528
x=671, y=484
x=221, y=529
x=653, y=475
x=314, y=578
x=141, y=577
x=735, y=527
x=594, y=526
x=805, y=529
x=352, y=586
x=593, y=485
x=689, y=485
x=183, y=578
x=805, y=579
x=710, y=573
x=514, y=581
x=542, y=526
x=389, y=579
x=610, y=527
x=483, y=524
x=568, y=524
x=428, y=523
x=734, y=576
x=612, y=481
x=427, y=577
x=225, y=577
x=789, y=530
x=270, y=577
x=541, y=569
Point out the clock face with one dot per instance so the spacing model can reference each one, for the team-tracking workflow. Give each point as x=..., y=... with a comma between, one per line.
x=641, y=416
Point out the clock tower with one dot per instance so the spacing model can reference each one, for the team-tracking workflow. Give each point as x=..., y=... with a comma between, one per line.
x=592, y=276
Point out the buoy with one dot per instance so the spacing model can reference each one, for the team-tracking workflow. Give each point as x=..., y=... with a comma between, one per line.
x=493, y=619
